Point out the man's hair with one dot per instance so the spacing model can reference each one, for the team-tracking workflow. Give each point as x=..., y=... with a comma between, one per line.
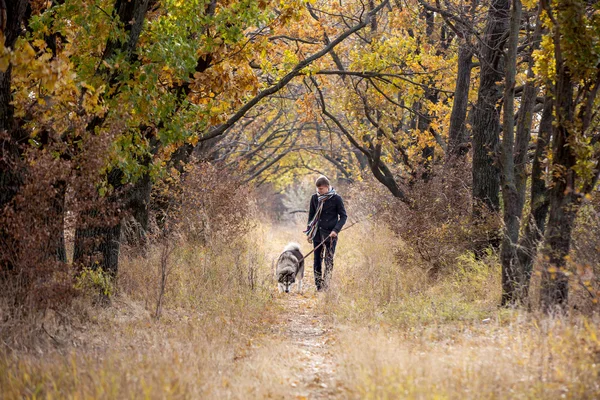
x=322, y=181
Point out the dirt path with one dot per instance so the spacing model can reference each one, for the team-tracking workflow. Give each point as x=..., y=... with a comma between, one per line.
x=309, y=341
x=306, y=335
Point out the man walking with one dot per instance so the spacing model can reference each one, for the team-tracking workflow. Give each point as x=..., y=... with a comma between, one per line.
x=326, y=218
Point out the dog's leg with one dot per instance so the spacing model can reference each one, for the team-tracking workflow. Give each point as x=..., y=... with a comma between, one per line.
x=280, y=285
x=299, y=285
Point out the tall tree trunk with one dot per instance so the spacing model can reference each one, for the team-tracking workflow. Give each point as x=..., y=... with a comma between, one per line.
x=514, y=175
x=486, y=114
x=98, y=234
x=574, y=115
x=457, y=138
x=98, y=246
x=57, y=222
x=12, y=13
x=10, y=138
x=570, y=127
x=562, y=199
x=536, y=220
x=509, y=189
x=98, y=231
x=562, y=195
x=523, y=137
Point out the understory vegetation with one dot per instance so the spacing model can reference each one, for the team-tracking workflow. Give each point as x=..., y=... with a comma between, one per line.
x=404, y=334
x=397, y=329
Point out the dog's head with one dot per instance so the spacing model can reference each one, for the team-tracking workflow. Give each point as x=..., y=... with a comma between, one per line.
x=286, y=277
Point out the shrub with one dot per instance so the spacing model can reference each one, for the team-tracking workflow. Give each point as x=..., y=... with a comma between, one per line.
x=439, y=226
x=95, y=281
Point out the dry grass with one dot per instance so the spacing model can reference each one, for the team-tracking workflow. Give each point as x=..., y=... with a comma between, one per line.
x=396, y=333
x=504, y=359
x=374, y=284
x=218, y=305
x=404, y=335
x=180, y=357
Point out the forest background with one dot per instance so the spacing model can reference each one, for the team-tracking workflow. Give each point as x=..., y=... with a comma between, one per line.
x=148, y=147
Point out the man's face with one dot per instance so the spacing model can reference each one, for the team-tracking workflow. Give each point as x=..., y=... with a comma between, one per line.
x=322, y=189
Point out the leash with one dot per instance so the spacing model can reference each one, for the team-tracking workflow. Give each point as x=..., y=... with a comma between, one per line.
x=313, y=250
x=324, y=240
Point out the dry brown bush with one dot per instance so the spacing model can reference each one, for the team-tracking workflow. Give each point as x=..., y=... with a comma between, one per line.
x=439, y=226
x=584, y=259
x=200, y=234
x=35, y=274
x=203, y=204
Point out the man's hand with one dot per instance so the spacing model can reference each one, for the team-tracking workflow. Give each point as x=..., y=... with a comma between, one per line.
x=333, y=234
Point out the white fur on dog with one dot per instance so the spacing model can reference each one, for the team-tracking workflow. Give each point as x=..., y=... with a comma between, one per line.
x=292, y=246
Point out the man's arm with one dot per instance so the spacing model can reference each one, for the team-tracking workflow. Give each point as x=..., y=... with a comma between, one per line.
x=312, y=210
x=342, y=214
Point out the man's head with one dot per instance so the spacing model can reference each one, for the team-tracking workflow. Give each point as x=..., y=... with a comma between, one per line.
x=323, y=185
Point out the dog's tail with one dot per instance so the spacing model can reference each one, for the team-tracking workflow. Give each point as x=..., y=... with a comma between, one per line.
x=292, y=246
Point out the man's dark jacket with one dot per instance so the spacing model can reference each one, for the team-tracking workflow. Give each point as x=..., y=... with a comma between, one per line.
x=332, y=209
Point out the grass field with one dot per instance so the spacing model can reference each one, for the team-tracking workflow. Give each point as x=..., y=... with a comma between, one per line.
x=384, y=330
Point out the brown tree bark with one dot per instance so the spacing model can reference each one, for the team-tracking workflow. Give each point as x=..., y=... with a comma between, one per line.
x=510, y=194
x=486, y=113
x=535, y=223
x=562, y=199
x=98, y=233
x=12, y=13
x=567, y=188
x=514, y=161
x=457, y=133
x=523, y=136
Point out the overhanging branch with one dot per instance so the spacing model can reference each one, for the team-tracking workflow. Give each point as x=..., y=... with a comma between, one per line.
x=220, y=129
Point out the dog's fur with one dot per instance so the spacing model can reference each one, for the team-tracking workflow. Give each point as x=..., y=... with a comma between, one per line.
x=288, y=268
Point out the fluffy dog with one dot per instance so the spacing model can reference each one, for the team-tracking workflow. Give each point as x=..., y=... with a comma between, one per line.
x=289, y=268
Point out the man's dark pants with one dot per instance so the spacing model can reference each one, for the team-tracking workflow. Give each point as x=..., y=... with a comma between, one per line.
x=325, y=252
